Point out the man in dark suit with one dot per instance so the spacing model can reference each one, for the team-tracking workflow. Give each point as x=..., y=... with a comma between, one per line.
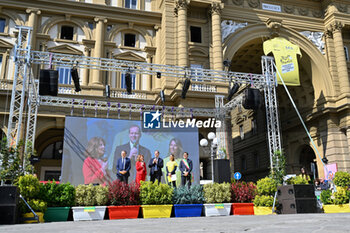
x=133, y=149
x=156, y=164
x=123, y=167
x=186, y=167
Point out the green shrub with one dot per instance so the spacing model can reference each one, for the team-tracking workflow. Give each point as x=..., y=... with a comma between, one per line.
x=297, y=180
x=184, y=195
x=90, y=195
x=342, y=179
x=29, y=187
x=263, y=200
x=120, y=193
x=155, y=194
x=326, y=197
x=217, y=193
x=58, y=195
x=278, y=170
x=341, y=196
x=266, y=186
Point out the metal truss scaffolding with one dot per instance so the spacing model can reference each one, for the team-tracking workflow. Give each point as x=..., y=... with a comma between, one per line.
x=25, y=86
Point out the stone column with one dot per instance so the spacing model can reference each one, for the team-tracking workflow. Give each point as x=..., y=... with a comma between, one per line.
x=96, y=78
x=215, y=11
x=182, y=37
x=342, y=67
x=33, y=22
x=148, y=77
x=85, y=80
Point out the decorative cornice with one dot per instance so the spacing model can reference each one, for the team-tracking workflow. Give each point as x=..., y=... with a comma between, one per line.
x=254, y=3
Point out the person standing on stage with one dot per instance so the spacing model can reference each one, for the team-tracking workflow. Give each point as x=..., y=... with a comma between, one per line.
x=156, y=164
x=123, y=167
x=186, y=167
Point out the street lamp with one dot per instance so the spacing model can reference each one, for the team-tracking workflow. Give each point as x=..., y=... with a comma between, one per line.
x=213, y=144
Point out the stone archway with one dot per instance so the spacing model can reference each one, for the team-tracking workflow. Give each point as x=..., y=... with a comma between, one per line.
x=307, y=159
x=244, y=49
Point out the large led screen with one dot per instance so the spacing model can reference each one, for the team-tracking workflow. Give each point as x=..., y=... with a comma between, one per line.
x=104, y=139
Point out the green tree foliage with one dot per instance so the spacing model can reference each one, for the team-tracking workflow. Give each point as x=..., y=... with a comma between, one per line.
x=185, y=195
x=217, y=193
x=155, y=194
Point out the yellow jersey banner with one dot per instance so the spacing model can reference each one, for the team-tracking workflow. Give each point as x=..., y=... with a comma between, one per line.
x=285, y=54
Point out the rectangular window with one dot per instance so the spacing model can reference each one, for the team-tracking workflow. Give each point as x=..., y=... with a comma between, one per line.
x=133, y=78
x=64, y=76
x=67, y=33
x=196, y=34
x=131, y=4
x=241, y=131
x=254, y=127
x=0, y=64
x=256, y=160
x=244, y=163
x=130, y=40
x=2, y=24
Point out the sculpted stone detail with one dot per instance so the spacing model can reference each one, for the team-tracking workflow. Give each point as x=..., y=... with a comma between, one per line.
x=303, y=11
x=317, y=14
x=237, y=2
x=254, y=3
x=315, y=38
x=289, y=9
x=216, y=8
x=181, y=4
x=328, y=34
x=274, y=25
x=228, y=27
x=33, y=10
x=103, y=19
x=342, y=8
x=336, y=26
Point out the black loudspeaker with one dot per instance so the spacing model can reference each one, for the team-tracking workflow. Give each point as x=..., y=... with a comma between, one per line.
x=9, y=199
x=75, y=77
x=48, y=82
x=222, y=171
x=252, y=98
x=128, y=82
x=293, y=199
x=185, y=87
x=9, y=195
x=298, y=205
x=9, y=214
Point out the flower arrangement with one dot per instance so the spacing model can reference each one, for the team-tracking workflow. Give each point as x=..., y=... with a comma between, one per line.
x=120, y=193
x=243, y=192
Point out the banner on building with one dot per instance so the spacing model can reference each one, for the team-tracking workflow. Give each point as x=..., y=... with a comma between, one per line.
x=285, y=54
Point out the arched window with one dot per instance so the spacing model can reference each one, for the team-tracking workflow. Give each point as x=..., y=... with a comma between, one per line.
x=53, y=151
x=2, y=25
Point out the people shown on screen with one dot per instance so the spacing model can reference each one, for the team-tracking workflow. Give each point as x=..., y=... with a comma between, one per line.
x=133, y=149
x=186, y=167
x=94, y=168
x=175, y=148
x=141, y=170
x=123, y=167
x=171, y=167
x=156, y=164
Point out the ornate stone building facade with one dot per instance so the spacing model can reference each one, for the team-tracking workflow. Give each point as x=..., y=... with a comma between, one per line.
x=195, y=34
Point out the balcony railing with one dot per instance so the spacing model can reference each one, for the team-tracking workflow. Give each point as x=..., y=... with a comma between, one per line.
x=125, y=95
x=203, y=87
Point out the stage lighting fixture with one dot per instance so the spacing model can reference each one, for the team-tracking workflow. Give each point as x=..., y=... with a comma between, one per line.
x=232, y=91
x=185, y=87
x=159, y=75
x=108, y=91
x=128, y=82
x=162, y=96
x=75, y=77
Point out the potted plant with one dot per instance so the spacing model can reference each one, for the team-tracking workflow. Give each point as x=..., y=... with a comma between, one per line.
x=91, y=202
x=125, y=200
x=217, y=199
x=29, y=187
x=59, y=198
x=242, y=198
x=188, y=202
x=263, y=201
x=335, y=202
x=156, y=199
